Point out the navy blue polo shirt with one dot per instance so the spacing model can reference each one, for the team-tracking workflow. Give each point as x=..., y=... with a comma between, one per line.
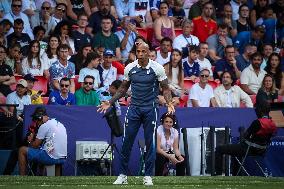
x=190, y=70
x=80, y=39
x=144, y=82
x=221, y=66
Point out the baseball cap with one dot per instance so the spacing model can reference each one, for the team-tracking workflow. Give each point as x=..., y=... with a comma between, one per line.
x=22, y=82
x=108, y=52
x=30, y=77
x=39, y=112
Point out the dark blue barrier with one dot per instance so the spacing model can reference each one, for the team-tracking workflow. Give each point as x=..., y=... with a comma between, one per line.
x=84, y=123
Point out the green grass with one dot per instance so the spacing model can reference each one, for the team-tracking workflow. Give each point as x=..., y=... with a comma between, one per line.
x=136, y=182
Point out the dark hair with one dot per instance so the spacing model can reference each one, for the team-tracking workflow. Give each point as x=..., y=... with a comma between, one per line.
x=39, y=113
x=6, y=22
x=62, y=46
x=262, y=108
x=116, y=83
x=180, y=68
x=107, y=17
x=243, y=5
x=65, y=79
x=207, y=3
x=256, y=54
x=3, y=47
x=48, y=49
x=223, y=26
x=91, y=56
x=82, y=14
x=79, y=58
x=171, y=116
x=231, y=75
x=57, y=29
x=13, y=45
x=30, y=54
x=193, y=48
x=278, y=74
x=164, y=2
x=18, y=21
x=167, y=39
x=58, y=4
x=89, y=76
x=37, y=29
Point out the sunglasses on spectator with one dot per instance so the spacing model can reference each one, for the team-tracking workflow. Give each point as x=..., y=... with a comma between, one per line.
x=62, y=85
x=19, y=6
x=45, y=8
x=204, y=75
x=88, y=83
x=61, y=9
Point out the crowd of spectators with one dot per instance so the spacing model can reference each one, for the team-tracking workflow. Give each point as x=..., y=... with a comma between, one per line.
x=89, y=42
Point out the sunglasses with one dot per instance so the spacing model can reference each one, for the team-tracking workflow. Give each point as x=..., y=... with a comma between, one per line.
x=19, y=6
x=204, y=75
x=88, y=83
x=61, y=9
x=45, y=8
x=66, y=86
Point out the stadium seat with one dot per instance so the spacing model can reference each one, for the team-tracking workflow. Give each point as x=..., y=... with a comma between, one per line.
x=45, y=100
x=280, y=98
x=178, y=31
x=77, y=84
x=188, y=84
x=143, y=32
x=150, y=33
x=213, y=84
x=183, y=101
x=253, y=98
x=41, y=84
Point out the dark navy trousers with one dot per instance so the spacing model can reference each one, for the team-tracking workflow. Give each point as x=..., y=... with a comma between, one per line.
x=135, y=116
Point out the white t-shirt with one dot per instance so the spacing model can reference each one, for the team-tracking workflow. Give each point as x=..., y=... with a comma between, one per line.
x=203, y=96
x=49, y=61
x=181, y=41
x=167, y=145
x=93, y=72
x=162, y=60
x=35, y=70
x=13, y=98
x=109, y=75
x=55, y=136
x=205, y=63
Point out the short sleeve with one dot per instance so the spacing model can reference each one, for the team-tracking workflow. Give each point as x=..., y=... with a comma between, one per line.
x=244, y=77
x=211, y=42
x=128, y=68
x=160, y=71
x=42, y=131
x=81, y=76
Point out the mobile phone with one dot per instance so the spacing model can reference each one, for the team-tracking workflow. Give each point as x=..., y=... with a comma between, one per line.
x=39, y=92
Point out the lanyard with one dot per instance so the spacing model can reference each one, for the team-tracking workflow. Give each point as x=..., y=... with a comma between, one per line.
x=189, y=43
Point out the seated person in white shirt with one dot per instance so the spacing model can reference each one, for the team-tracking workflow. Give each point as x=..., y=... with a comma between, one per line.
x=164, y=54
x=230, y=96
x=201, y=94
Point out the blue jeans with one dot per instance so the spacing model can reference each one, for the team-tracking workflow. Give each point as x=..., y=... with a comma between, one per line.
x=41, y=156
x=136, y=116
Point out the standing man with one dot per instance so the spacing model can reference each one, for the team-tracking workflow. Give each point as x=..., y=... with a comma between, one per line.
x=52, y=134
x=144, y=76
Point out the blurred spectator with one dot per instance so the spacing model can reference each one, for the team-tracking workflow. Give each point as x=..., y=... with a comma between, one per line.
x=63, y=96
x=249, y=37
x=62, y=68
x=235, y=7
x=243, y=21
x=201, y=94
x=34, y=95
x=184, y=40
x=80, y=36
x=140, y=10
x=59, y=12
x=5, y=8
x=5, y=26
x=95, y=20
x=228, y=63
x=29, y=8
x=270, y=23
x=19, y=97
x=152, y=54
x=268, y=91
x=6, y=74
x=204, y=25
x=191, y=66
x=39, y=3
x=257, y=11
x=252, y=76
x=267, y=50
x=108, y=73
x=50, y=55
x=227, y=19
x=174, y=71
x=106, y=38
x=243, y=60
x=178, y=13
x=86, y=95
x=2, y=40
x=18, y=36
x=14, y=58
x=196, y=9
x=80, y=58
x=203, y=62
x=16, y=13
x=229, y=95
x=278, y=7
x=155, y=13
x=39, y=32
x=217, y=42
x=127, y=36
x=33, y=63
x=45, y=18
x=164, y=54
x=76, y=8
x=91, y=64
x=163, y=26
x=273, y=68
x=64, y=31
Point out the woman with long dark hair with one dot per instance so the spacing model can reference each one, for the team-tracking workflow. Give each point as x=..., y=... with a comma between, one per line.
x=33, y=64
x=50, y=56
x=274, y=69
x=174, y=71
x=257, y=11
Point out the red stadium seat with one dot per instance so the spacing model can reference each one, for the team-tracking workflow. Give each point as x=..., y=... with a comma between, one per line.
x=150, y=33
x=213, y=84
x=41, y=84
x=77, y=84
x=178, y=31
x=188, y=84
x=183, y=101
x=143, y=32
x=45, y=100
x=253, y=98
